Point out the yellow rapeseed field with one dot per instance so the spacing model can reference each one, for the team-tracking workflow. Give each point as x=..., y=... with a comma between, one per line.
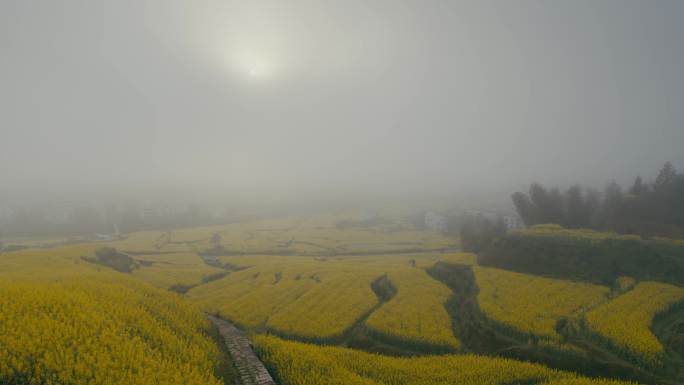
x=53, y=263
x=558, y=230
x=66, y=320
x=161, y=270
x=298, y=363
x=533, y=304
x=168, y=270
x=297, y=296
x=627, y=319
x=108, y=330
x=313, y=235
x=320, y=298
x=416, y=314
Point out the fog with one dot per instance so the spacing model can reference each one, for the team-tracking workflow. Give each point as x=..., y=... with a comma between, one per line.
x=297, y=100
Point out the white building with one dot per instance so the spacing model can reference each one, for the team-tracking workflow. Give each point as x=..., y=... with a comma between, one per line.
x=435, y=221
x=513, y=222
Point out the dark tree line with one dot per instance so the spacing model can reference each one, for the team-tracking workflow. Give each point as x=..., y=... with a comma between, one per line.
x=574, y=208
x=646, y=208
x=477, y=232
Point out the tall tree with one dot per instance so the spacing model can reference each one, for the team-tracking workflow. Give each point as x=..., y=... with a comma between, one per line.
x=678, y=200
x=638, y=187
x=612, y=199
x=525, y=208
x=576, y=214
x=592, y=205
x=477, y=232
x=541, y=201
x=648, y=210
x=666, y=176
x=555, y=209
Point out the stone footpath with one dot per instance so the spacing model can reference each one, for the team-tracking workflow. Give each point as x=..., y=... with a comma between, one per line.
x=250, y=368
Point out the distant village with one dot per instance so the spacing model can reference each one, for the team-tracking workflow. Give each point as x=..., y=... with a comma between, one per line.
x=106, y=220
x=451, y=221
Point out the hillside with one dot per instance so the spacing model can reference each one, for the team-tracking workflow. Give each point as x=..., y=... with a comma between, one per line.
x=378, y=292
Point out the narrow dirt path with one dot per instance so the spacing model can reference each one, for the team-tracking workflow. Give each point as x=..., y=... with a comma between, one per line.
x=252, y=371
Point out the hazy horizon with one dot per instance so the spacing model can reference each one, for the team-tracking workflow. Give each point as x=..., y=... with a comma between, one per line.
x=316, y=99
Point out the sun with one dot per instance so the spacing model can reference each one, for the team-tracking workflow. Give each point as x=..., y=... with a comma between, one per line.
x=251, y=66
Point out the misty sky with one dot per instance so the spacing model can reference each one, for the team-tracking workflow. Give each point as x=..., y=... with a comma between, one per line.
x=276, y=97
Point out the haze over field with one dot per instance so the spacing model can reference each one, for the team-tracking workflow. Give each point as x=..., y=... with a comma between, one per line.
x=321, y=192
x=308, y=98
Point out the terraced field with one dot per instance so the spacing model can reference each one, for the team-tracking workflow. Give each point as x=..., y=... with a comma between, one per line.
x=179, y=271
x=553, y=230
x=316, y=281
x=301, y=364
x=97, y=329
x=533, y=304
x=303, y=297
x=321, y=298
x=627, y=320
x=315, y=235
x=416, y=315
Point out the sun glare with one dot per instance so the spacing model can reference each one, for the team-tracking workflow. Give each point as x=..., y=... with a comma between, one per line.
x=252, y=64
